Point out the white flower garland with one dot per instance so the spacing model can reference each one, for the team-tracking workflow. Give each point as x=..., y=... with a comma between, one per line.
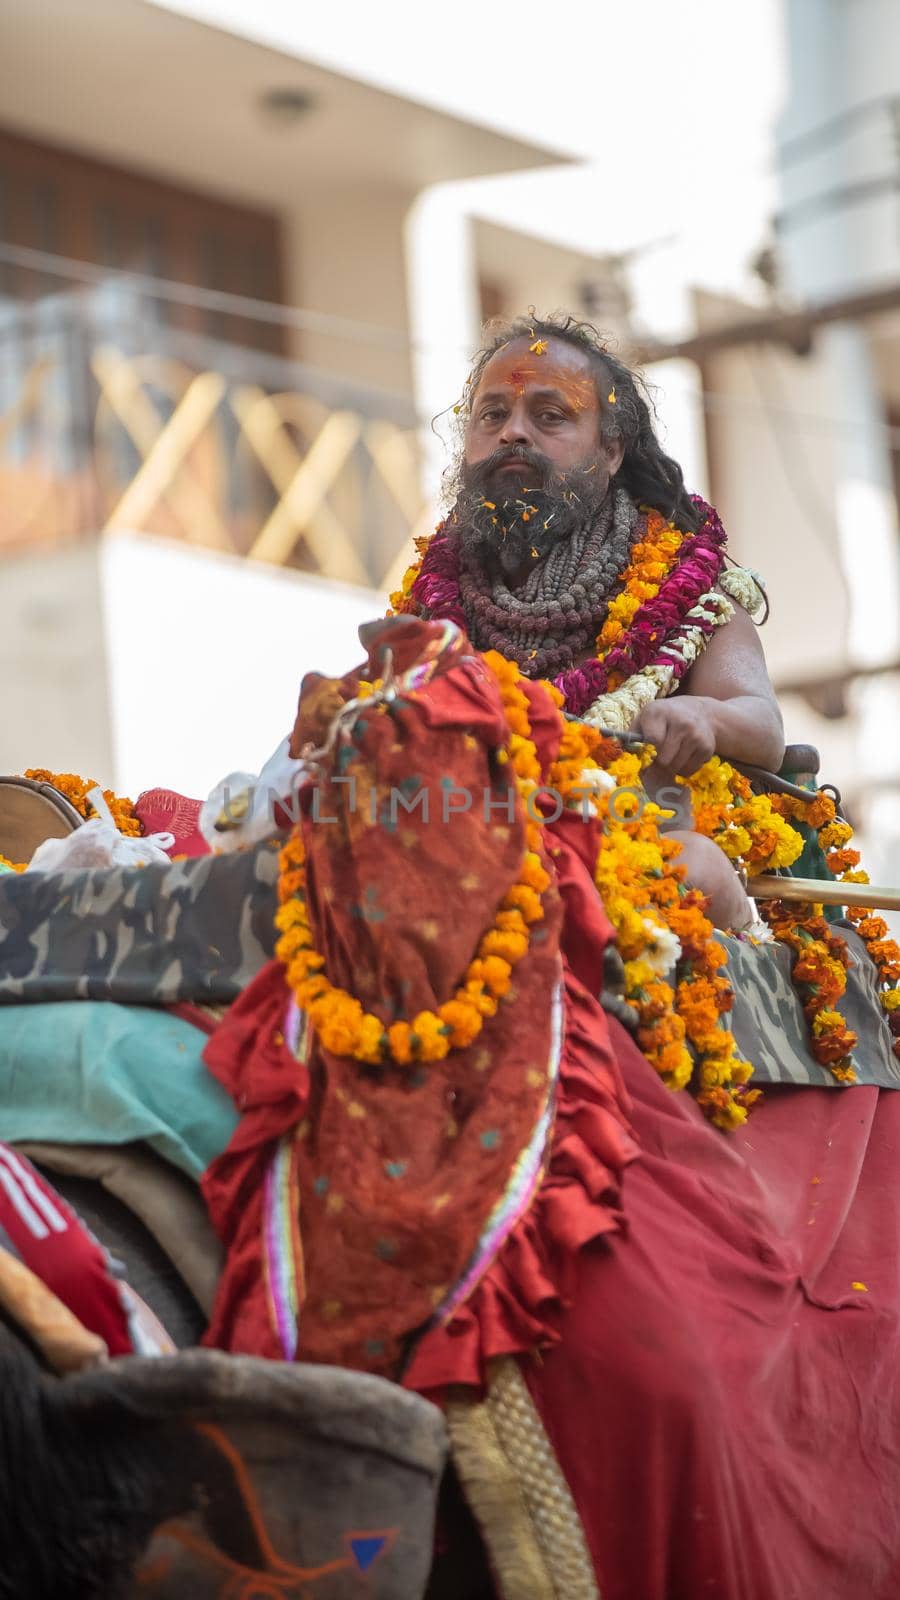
x=619, y=709
x=746, y=587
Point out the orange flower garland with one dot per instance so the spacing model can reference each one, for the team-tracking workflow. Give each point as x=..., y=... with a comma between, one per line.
x=651, y=562
x=820, y=974
x=756, y=832
x=750, y=828
x=834, y=837
x=76, y=791
x=342, y=1024
x=660, y=926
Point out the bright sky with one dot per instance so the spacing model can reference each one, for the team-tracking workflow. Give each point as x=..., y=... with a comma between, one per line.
x=671, y=106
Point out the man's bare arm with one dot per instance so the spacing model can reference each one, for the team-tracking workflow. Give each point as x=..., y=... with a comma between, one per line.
x=727, y=707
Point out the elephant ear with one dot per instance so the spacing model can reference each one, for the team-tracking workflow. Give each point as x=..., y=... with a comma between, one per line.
x=273, y=1478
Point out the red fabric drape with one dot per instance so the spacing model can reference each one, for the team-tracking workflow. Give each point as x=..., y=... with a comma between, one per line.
x=723, y=1401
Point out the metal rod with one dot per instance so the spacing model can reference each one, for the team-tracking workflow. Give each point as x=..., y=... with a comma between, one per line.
x=820, y=891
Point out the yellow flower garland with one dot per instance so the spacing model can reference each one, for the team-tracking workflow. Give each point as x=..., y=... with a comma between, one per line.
x=643, y=891
x=657, y=921
x=748, y=827
x=343, y=1026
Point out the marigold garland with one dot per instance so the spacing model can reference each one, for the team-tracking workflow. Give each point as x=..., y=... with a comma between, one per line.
x=76, y=791
x=748, y=827
x=756, y=832
x=834, y=836
x=757, y=835
x=662, y=926
x=652, y=559
x=339, y=1018
x=820, y=976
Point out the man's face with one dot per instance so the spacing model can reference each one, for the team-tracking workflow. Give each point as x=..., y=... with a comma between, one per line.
x=536, y=403
x=535, y=465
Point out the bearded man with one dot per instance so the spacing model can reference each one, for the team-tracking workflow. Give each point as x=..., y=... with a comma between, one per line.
x=559, y=468
x=462, y=1172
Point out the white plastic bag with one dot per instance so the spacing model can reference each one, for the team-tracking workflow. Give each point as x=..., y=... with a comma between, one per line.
x=240, y=810
x=98, y=843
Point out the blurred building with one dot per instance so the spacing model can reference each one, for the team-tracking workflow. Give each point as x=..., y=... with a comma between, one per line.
x=802, y=423
x=189, y=400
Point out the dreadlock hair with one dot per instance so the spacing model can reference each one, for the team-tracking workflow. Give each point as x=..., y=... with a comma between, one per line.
x=651, y=477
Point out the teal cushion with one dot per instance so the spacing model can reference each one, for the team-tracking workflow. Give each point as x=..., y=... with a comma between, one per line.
x=91, y=1072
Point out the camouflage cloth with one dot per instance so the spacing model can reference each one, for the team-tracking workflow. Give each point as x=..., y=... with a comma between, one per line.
x=188, y=930
x=201, y=929
x=771, y=1030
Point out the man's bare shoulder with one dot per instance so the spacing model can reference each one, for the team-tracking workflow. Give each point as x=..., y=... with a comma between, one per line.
x=733, y=663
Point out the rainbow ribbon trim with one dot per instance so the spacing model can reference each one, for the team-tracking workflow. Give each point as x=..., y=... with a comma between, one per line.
x=523, y=1184
x=282, y=1247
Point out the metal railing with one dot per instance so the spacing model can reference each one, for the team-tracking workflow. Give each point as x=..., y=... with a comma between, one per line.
x=112, y=418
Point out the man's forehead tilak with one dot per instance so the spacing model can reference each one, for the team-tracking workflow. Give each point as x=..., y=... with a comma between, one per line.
x=520, y=372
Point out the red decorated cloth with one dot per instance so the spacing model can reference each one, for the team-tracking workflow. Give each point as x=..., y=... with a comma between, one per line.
x=396, y=1173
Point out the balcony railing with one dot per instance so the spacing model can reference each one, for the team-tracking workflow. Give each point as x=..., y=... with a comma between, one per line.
x=111, y=418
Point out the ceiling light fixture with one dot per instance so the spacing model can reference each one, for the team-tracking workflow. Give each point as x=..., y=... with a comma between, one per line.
x=283, y=107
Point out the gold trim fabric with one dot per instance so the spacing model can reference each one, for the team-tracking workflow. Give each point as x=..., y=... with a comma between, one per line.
x=512, y=1481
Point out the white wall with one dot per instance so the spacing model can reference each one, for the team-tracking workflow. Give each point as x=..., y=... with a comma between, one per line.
x=52, y=665
x=772, y=426
x=346, y=256
x=141, y=662
x=206, y=654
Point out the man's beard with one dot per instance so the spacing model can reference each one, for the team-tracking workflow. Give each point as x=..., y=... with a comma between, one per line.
x=505, y=525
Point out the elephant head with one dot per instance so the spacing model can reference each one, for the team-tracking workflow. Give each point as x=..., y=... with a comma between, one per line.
x=214, y=1476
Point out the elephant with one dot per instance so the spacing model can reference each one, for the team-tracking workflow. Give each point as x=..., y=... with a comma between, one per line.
x=188, y=1484
x=200, y=1472
x=189, y=1474
x=203, y=1473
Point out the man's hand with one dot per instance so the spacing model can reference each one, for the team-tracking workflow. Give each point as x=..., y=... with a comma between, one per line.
x=683, y=732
